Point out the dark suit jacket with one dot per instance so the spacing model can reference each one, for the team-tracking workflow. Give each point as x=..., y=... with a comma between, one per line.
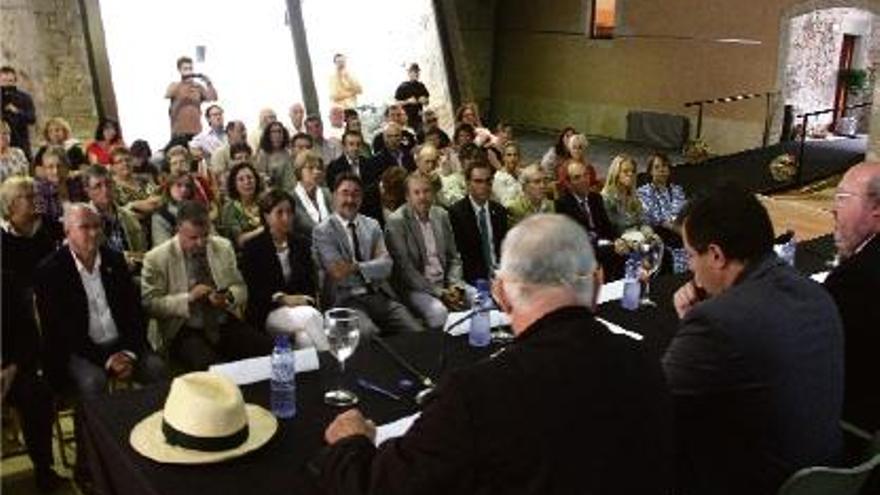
x=855, y=285
x=262, y=273
x=601, y=228
x=757, y=376
x=341, y=165
x=64, y=311
x=467, y=236
x=569, y=408
x=407, y=141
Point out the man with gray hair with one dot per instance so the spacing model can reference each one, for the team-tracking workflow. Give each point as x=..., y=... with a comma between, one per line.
x=854, y=285
x=568, y=408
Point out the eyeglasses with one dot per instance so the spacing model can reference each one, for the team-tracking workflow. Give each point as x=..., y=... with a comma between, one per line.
x=842, y=196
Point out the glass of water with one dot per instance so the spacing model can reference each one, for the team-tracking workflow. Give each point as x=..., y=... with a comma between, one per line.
x=343, y=332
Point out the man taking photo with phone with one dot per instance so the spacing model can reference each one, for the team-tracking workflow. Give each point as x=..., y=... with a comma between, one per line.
x=187, y=96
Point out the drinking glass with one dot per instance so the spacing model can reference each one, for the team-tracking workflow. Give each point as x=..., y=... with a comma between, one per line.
x=651, y=251
x=343, y=332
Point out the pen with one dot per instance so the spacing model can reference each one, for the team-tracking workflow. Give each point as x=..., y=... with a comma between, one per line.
x=363, y=383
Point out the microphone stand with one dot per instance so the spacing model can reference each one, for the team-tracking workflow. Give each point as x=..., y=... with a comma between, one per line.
x=424, y=379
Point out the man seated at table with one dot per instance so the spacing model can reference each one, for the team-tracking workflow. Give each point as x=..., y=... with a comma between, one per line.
x=756, y=367
x=192, y=286
x=426, y=261
x=569, y=408
x=350, y=252
x=854, y=284
x=90, y=313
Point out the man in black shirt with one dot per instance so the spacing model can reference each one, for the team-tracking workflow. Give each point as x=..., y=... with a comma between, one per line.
x=18, y=110
x=413, y=95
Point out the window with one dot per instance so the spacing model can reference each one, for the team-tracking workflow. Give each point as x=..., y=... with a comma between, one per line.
x=602, y=20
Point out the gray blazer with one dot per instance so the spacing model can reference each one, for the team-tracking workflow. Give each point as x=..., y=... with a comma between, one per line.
x=330, y=244
x=407, y=245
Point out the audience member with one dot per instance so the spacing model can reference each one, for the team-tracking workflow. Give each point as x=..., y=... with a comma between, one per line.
x=392, y=190
x=558, y=153
x=350, y=251
x=221, y=159
x=330, y=149
x=478, y=232
x=462, y=136
x=394, y=114
x=179, y=162
x=129, y=190
x=273, y=156
x=56, y=132
x=26, y=239
x=392, y=152
x=214, y=137
x=107, y=138
x=468, y=113
x=240, y=216
x=266, y=117
x=122, y=232
x=533, y=197
x=55, y=189
x=277, y=266
x=853, y=284
x=141, y=166
x=297, y=115
x=311, y=199
x=505, y=184
x=13, y=161
x=661, y=202
x=619, y=194
x=427, y=266
x=428, y=167
x=577, y=146
x=163, y=223
x=495, y=147
x=344, y=88
x=336, y=117
x=350, y=160
x=192, y=287
x=516, y=423
x=353, y=124
x=756, y=368
x=90, y=313
x=18, y=110
x=413, y=96
x=431, y=123
x=187, y=96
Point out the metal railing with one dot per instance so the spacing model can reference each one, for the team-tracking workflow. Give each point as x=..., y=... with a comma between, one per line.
x=805, y=117
x=700, y=104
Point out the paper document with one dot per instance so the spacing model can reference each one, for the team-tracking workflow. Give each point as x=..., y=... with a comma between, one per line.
x=819, y=277
x=260, y=368
x=620, y=330
x=496, y=319
x=611, y=291
x=394, y=429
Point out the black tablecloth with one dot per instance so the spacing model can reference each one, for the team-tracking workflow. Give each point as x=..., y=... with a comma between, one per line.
x=280, y=466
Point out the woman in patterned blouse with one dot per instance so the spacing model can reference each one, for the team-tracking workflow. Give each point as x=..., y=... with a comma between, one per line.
x=240, y=216
x=661, y=201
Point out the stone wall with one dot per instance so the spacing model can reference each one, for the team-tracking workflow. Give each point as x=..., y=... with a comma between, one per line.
x=44, y=41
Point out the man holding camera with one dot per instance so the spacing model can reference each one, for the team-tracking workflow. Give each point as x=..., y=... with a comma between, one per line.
x=18, y=110
x=187, y=96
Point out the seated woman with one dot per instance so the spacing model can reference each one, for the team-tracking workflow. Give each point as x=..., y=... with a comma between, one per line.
x=272, y=156
x=240, y=215
x=56, y=188
x=179, y=161
x=495, y=148
x=277, y=267
x=505, y=185
x=163, y=223
x=57, y=132
x=533, y=197
x=469, y=113
x=128, y=190
x=619, y=195
x=661, y=201
x=392, y=190
x=576, y=147
x=311, y=200
x=13, y=161
x=558, y=153
x=141, y=165
x=107, y=137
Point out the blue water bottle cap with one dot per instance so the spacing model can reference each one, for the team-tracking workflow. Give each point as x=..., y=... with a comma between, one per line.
x=482, y=285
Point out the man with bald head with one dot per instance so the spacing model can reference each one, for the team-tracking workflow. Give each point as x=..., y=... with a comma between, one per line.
x=297, y=114
x=854, y=285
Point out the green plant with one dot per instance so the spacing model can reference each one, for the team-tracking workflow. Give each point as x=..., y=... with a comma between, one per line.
x=854, y=79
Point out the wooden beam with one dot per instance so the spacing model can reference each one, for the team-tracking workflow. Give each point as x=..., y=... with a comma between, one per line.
x=303, y=57
x=99, y=62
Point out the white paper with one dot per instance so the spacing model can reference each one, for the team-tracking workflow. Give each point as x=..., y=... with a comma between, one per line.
x=819, y=277
x=614, y=328
x=612, y=291
x=496, y=319
x=394, y=429
x=257, y=369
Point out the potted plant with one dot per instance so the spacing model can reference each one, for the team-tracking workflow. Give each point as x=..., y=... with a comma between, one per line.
x=854, y=79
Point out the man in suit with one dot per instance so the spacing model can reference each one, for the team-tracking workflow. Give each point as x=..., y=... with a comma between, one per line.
x=756, y=367
x=426, y=262
x=191, y=285
x=479, y=223
x=393, y=152
x=92, y=321
x=350, y=161
x=854, y=285
x=520, y=422
x=588, y=209
x=395, y=114
x=350, y=251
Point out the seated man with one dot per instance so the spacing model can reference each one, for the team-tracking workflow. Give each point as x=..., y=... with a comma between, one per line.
x=191, y=285
x=350, y=251
x=756, y=368
x=479, y=223
x=91, y=316
x=854, y=285
x=570, y=408
x=122, y=230
x=349, y=161
x=426, y=261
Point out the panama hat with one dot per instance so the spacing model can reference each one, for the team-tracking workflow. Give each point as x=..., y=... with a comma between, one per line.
x=205, y=419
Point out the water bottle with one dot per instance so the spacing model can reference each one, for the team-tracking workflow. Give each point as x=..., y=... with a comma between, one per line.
x=632, y=287
x=479, y=335
x=283, y=379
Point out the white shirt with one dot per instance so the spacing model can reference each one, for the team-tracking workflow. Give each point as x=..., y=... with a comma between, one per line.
x=102, y=328
x=476, y=207
x=210, y=140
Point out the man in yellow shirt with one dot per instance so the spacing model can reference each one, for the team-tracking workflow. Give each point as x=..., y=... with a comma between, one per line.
x=344, y=88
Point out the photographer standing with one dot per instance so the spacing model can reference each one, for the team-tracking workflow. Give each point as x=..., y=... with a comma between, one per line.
x=187, y=96
x=18, y=110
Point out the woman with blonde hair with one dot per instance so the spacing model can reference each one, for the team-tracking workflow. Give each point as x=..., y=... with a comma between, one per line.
x=311, y=199
x=56, y=132
x=619, y=194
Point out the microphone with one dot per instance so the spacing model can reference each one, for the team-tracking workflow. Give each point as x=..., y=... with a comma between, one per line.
x=425, y=380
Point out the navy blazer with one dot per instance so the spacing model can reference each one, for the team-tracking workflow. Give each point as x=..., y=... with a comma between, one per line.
x=64, y=312
x=262, y=273
x=467, y=236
